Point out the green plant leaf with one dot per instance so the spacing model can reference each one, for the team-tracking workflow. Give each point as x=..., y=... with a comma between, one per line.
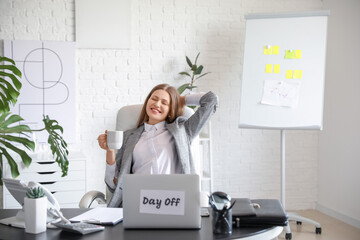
x=5, y=59
x=184, y=73
x=182, y=88
x=191, y=87
x=20, y=129
x=189, y=62
x=11, y=68
x=24, y=141
x=197, y=57
x=12, y=119
x=13, y=166
x=35, y=192
x=203, y=75
x=9, y=88
x=8, y=94
x=199, y=70
x=4, y=103
x=9, y=97
x=26, y=159
x=15, y=81
x=3, y=116
x=194, y=67
x=57, y=144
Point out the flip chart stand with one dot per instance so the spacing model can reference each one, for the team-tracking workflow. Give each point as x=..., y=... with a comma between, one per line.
x=292, y=216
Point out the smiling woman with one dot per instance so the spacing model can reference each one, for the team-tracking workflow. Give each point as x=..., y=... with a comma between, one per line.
x=161, y=143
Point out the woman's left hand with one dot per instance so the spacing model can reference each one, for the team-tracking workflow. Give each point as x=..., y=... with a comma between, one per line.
x=182, y=101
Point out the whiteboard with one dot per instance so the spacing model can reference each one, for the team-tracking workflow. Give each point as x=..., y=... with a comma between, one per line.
x=284, y=71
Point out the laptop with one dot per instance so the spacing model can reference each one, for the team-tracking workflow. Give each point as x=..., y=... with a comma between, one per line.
x=161, y=201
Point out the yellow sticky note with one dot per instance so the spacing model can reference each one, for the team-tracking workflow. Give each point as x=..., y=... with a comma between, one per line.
x=276, y=68
x=297, y=74
x=275, y=50
x=289, y=54
x=297, y=54
x=267, y=50
x=268, y=68
x=289, y=74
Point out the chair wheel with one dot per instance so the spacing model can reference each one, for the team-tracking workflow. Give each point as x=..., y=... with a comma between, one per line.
x=298, y=222
x=318, y=230
x=288, y=236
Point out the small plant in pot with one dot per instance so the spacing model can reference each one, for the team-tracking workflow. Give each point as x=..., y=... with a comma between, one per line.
x=35, y=205
x=194, y=74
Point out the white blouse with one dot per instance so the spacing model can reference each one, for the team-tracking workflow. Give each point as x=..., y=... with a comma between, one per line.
x=155, y=151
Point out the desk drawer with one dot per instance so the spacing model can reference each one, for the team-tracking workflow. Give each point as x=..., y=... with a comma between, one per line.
x=51, y=176
x=64, y=185
x=44, y=166
x=43, y=169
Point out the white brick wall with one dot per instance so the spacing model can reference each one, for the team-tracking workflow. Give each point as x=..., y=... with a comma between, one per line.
x=246, y=162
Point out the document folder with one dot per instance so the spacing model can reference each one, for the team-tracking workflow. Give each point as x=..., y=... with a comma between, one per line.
x=100, y=215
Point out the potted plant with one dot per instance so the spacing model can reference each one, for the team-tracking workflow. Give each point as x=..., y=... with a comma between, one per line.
x=195, y=74
x=35, y=206
x=14, y=136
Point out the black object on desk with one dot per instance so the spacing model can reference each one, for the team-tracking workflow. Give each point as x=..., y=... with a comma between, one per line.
x=258, y=212
x=118, y=232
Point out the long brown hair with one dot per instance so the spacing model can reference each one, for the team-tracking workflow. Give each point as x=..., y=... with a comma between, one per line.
x=175, y=108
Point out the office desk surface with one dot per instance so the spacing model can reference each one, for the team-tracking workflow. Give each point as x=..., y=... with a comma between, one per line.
x=117, y=232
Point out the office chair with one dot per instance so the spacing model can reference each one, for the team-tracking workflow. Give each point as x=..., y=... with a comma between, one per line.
x=127, y=119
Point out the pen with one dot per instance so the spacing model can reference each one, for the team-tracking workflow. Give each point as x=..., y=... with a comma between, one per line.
x=92, y=221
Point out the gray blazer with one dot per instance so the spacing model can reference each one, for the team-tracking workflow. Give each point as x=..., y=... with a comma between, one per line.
x=182, y=129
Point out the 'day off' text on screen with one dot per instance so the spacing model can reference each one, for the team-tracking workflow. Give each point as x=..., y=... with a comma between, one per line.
x=157, y=202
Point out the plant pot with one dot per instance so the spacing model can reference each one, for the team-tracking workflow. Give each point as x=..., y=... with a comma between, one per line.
x=35, y=214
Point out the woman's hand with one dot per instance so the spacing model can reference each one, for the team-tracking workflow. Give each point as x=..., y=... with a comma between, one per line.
x=182, y=101
x=102, y=140
x=110, y=153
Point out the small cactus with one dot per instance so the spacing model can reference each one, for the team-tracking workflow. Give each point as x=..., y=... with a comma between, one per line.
x=35, y=192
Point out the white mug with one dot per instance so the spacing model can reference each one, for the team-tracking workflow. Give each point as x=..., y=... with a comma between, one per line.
x=114, y=139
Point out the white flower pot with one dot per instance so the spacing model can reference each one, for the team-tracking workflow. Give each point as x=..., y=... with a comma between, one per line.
x=35, y=214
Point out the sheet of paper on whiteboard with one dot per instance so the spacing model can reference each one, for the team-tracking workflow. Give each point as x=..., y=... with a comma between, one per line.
x=281, y=93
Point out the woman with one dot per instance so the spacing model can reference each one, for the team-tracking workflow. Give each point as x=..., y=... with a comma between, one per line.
x=161, y=142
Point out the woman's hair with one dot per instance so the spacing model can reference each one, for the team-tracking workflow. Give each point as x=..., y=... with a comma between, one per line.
x=175, y=108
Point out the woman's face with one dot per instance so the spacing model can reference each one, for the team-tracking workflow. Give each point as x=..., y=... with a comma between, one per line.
x=158, y=106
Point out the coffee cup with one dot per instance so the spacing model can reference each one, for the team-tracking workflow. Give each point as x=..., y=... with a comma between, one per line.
x=114, y=139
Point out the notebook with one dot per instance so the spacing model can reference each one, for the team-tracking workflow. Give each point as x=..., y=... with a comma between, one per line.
x=100, y=215
x=161, y=201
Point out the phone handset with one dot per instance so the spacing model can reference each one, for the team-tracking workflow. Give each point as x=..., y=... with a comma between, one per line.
x=53, y=207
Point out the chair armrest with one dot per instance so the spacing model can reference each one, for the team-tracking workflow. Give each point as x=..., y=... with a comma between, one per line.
x=90, y=197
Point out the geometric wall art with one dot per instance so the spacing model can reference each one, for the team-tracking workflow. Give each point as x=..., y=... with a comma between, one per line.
x=48, y=84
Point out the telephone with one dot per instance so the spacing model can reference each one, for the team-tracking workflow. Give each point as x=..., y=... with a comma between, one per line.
x=18, y=190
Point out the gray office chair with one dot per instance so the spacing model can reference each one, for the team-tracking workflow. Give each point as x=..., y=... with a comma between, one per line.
x=126, y=119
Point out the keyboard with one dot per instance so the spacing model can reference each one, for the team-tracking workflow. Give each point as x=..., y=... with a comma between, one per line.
x=80, y=228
